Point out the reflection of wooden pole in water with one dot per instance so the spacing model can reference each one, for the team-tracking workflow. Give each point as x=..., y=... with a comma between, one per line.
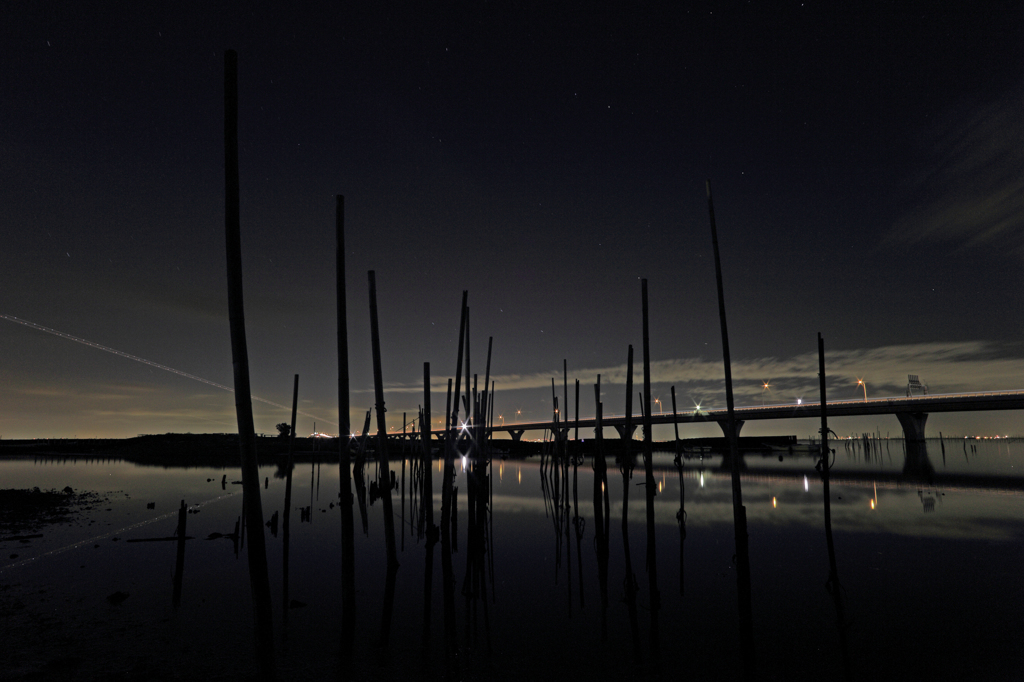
x=448, y=492
x=629, y=581
x=626, y=468
x=179, y=563
x=258, y=576
x=427, y=505
x=746, y=616
x=286, y=542
x=601, y=517
x=348, y=562
x=578, y=522
x=490, y=506
x=681, y=515
x=402, y=517
x=832, y=585
x=650, y=485
x=385, y=466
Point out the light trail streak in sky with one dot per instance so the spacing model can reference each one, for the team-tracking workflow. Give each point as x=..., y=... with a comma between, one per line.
x=86, y=342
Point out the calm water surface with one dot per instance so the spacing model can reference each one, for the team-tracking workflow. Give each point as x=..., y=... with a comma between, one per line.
x=929, y=573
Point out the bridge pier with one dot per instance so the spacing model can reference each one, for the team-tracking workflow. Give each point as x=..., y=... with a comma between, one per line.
x=621, y=429
x=517, y=434
x=725, y=427
x=913, y=425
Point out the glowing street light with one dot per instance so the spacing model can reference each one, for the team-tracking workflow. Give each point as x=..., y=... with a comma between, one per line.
x=860, y=382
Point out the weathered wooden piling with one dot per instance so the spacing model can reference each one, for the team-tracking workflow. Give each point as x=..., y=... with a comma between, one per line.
x=258, y=575
x=286, y=542
x=448, y=492
x=384, y=464
x=681, y=514
x=627, y=434
x=746, y=617
x=832, y=585
x=651, y=486
x=348, y=563
x=602, y=519
x=427, y=505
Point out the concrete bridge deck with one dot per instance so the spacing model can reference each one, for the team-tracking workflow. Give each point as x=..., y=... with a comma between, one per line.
x=912, y=412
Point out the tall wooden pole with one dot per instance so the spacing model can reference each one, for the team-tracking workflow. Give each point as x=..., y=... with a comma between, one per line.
x=382, y=430
x=832, y=585
x=738, y=510
x=258, y=577
x=348, y=563
x=681, y=515
x=286, y=544
x=652, y=490
x=627, y=435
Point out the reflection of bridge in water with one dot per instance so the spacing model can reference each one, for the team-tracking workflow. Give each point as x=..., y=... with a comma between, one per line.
x=911, y=412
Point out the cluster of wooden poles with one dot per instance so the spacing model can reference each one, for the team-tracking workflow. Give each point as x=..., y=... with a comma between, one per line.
x=468, y=438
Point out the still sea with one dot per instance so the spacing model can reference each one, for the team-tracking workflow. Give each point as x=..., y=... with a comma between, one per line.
x=928, y=560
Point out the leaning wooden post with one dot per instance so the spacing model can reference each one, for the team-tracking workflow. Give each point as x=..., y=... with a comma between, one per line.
x=258, y=577
x=738, y=510
x=652, y=490
x=348, y=564
x=832, y=585
x=382, y=430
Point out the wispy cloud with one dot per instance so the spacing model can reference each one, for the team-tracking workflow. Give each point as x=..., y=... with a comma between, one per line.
x=946, y=367
x=973, y=191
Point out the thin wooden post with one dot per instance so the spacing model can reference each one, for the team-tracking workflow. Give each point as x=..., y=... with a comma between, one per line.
x=602, y=517
x=832, y=585
x=348, y=563
x=739, y=511
x=627, y=435
x=681, y=515
x=652, y=562
x=286, y=543
x=258, y=576
x=382, y=430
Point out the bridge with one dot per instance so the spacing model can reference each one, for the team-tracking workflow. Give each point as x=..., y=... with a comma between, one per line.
x=912, y=413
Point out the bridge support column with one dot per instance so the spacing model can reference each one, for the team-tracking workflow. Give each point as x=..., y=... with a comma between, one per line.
x=621, y=429
x=517, y=434
x=725, y=427
x=913, y=425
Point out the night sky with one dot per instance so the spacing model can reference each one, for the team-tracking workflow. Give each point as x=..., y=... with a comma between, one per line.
x=867, y=165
